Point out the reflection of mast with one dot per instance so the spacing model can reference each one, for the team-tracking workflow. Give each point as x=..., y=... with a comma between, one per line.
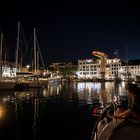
x=103, y=94
x=36, y=107
x=116, y=88
x=16, y=113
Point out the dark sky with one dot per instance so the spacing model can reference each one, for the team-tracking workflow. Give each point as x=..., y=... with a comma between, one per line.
x=71, y=30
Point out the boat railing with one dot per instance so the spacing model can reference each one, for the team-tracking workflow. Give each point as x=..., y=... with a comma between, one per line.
x=100, y=117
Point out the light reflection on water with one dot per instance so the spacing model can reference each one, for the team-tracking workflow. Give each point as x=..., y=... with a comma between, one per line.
x=103, y=92
x=32, y=113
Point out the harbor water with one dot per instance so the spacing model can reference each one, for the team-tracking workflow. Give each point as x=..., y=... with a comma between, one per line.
x=58, y=111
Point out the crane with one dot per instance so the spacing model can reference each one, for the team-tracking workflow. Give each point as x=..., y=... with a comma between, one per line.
x=103, y=57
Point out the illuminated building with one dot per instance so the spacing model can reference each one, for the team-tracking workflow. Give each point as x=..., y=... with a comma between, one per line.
x=90, y=69
x=8, y=72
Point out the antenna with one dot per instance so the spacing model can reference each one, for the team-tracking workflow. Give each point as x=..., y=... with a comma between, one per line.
x=116, y=54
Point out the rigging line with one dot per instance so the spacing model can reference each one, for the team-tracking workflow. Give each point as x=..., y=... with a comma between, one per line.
x=24, y=41
x=40, y=54
x=30, y=48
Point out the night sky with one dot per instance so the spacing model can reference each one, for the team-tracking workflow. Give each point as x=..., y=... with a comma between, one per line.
x=71, y=30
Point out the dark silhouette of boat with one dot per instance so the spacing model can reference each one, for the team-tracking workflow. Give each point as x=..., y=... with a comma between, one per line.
x=24, y=86
x=127, y=128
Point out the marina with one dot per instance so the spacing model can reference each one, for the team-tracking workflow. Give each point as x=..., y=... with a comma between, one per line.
x=69, y=70
x=63, y=101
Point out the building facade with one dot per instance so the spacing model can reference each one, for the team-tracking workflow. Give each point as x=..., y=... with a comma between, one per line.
x=91, y=69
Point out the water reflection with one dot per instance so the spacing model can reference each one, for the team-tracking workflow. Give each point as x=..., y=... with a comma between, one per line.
x=52, y=90
x=104, y=92
x=2, y=111
x=36, y=113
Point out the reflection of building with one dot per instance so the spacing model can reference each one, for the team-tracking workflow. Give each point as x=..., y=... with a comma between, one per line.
x=90, y=69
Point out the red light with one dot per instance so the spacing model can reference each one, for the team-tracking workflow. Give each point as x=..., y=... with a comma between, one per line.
x=95, y=110
x=94, y=52
x=94, y=113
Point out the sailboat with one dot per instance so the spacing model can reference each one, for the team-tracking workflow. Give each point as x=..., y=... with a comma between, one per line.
x=35, y=83
x=43, y=81
x=54, y=79
x=33, y=76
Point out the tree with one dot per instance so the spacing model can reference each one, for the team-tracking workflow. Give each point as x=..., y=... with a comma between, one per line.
x=67, y=71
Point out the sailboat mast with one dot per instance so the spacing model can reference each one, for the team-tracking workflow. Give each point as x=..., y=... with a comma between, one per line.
x=117, y=54
x=35, y=50
x=17, y=49
x=1, y=43
x=37, y=60
x=127, y=68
